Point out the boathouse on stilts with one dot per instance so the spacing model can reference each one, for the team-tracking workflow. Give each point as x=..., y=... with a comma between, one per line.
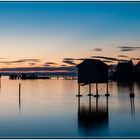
x=92, y=71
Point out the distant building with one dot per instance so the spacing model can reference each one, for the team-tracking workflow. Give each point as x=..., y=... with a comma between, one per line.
x=125, y=71
x=92, y=71
x=137, y=72
x=112, y=70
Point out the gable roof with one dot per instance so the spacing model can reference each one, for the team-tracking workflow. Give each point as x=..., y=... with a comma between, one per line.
x=95, y=61
x=138, y=64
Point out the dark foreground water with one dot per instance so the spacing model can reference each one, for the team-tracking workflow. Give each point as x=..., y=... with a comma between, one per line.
x=50, y=109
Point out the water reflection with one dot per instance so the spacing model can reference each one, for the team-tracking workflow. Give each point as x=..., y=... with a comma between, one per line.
x=132, y=102
x=0, y=82
x=93, y=120
x=126, y=88
x=19, y=98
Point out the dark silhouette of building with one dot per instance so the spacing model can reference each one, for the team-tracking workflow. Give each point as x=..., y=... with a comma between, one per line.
x=125, y=71
x=137, y=72
x=92, y=71
x=28, y=76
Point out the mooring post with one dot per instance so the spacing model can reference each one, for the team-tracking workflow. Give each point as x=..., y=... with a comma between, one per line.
x=79, y=95
x=90, y=90
x=97, y=95
x=107, y=92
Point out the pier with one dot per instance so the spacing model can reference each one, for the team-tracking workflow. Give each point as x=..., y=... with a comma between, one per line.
x=33, y=76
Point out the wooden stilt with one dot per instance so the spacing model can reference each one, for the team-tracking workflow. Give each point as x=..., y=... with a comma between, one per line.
x=107, y=92
x=97, y=95
x=79, y=95
x=89, y=90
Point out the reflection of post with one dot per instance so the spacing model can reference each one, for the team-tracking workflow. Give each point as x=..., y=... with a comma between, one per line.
x=78, y=106
x=90, y=104
x=96, y=106
x=0, y=81
x=132, y=90
x=78, y=91
x=107, y=92
x=97, y=95
x=78, y=102
x=132, y=107
x=107, y=104
x=19, y=96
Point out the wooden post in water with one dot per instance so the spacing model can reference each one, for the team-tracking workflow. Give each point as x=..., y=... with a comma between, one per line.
x=89, y=90
x=79, y=95
x=107, y=92
x=97, y=95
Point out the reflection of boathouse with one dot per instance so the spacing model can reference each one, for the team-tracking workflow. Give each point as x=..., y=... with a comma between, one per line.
x=93, y=119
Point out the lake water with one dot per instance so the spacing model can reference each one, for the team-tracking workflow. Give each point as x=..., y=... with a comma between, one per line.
x=50, y=109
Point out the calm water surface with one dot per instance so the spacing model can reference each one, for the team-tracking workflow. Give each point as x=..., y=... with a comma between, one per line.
x=50, y=109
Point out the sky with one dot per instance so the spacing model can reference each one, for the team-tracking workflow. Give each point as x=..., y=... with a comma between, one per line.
x=62, y=34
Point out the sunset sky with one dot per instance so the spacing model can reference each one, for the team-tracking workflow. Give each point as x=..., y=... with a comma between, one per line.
x=58, y=34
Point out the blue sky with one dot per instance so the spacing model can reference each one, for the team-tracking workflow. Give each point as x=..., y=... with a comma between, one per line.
x=51, y=31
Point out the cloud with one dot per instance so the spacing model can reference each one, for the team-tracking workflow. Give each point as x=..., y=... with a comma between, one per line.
x=107, y=61
x=81, y=59
x=72, y=59
x=46, y=65
x=135, y=58
x=97, y=49
x=71, y=62
x=30, y=60
x=65, y=59
x=32, y=64
x=63, y=65
x=128, y=57
x=122, y=60
x=127, y=48
x=106, y=58
x=50, y=63
x=123, y=56
x=52, y=69
x=20, y=61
